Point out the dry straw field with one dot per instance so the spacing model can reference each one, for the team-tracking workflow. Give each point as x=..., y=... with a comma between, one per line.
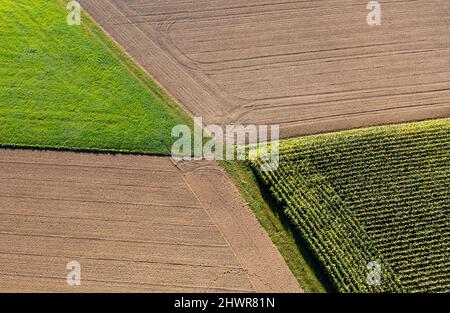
x=310, y=66
x=146, y=223
x=134, y=223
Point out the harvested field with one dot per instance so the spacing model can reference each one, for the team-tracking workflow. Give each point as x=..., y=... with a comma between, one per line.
x=134, y=223
x=310, y=66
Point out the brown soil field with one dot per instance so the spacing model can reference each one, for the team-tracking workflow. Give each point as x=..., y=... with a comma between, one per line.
x=311, y=66
x=134, y=223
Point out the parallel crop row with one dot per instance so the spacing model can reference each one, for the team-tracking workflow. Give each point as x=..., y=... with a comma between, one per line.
x=381, y=194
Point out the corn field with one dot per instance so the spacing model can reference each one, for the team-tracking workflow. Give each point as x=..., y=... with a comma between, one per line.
x=375, y=195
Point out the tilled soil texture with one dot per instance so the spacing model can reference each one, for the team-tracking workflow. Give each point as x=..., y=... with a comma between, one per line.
x=310, y=66
x=134, y=223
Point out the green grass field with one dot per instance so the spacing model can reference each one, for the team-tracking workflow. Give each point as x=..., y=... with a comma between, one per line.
x=348, y=198
x=69, y=87
x=379, y=194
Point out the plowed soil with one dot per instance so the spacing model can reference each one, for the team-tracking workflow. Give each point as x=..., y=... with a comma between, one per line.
x=310, y=66
x=134, y=223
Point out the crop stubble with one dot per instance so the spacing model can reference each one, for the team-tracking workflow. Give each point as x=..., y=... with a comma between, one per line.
x=135, y=223
x=310, y=66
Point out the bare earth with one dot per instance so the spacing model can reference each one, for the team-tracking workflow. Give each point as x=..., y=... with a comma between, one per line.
x=311, y=66
x=134, y=223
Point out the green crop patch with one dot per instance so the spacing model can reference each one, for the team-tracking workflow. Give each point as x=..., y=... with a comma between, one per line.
x=70, y=87
x=373, y=196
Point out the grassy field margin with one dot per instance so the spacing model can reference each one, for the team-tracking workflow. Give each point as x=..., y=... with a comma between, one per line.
x=299, y=260
x=377, y=194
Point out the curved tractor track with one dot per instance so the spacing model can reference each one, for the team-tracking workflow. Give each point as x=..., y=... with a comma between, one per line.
x=310, y=66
